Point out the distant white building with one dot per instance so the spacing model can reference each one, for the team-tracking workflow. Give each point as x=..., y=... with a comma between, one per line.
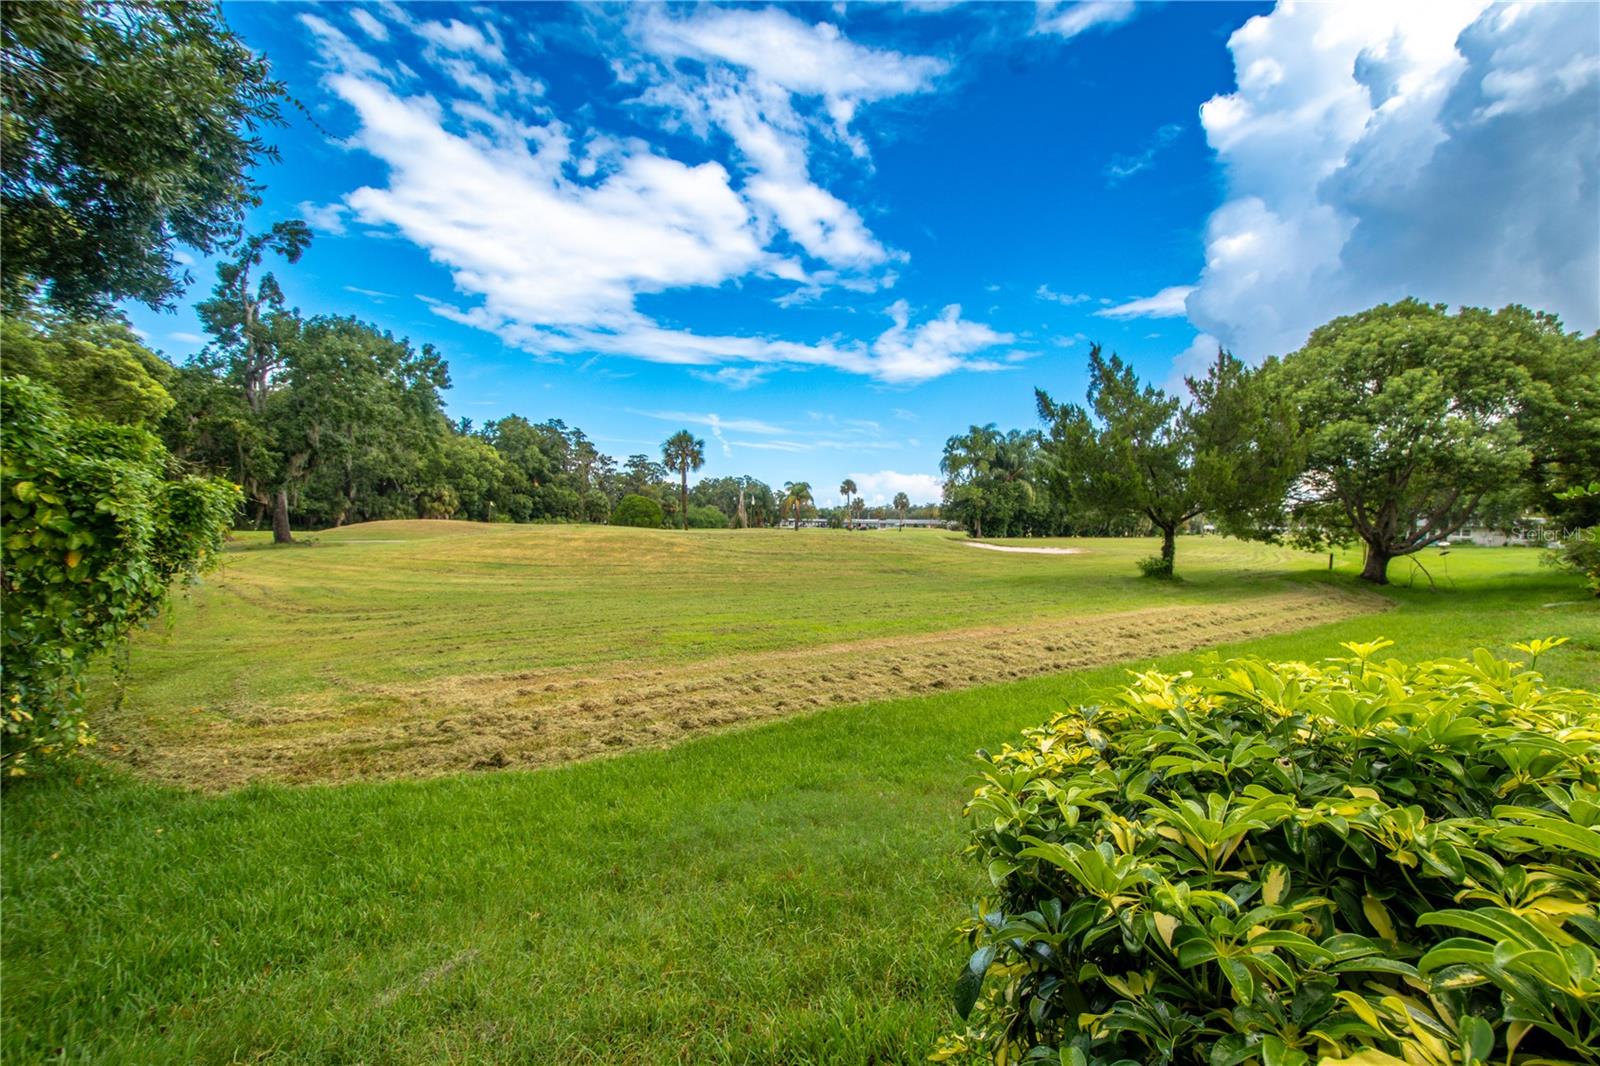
x=881, y=523
x=1528, y=530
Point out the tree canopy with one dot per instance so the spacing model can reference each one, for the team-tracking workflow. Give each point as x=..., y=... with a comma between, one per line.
x=1415, y=416
x=130, y=128
x=99, y=368
x=796, y=498
x=1137, y=450
x=989, y=479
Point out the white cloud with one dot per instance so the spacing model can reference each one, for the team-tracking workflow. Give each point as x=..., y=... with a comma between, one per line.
x=572, y=254
x=1168, y=303
x=483, y=41
x=781, y=50
x=751, y=66
x=907, y=354
x=879, y=488
x=1122, y=167
x=711, y=418
x=187, y=338
x=1442, y=151
x=1069, y=20
x=1191, y=362
x=376, y=294
x=1044, y=292
x=560, y=274
x=369, y=25
x=733, y=377
x=324, y=218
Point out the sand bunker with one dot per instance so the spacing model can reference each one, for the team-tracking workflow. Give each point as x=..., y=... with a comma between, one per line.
x=543, y=717
x=1023, y=551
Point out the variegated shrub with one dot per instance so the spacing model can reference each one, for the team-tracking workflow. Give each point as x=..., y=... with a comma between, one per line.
x=1350, y=861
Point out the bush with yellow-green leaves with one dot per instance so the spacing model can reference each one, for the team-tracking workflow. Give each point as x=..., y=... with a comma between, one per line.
x=1351, y=861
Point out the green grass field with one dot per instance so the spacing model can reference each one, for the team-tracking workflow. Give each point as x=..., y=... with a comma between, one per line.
x=781, y=893
x=405, y=648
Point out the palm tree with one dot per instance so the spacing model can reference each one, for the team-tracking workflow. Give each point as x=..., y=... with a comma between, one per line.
x=902, y=503
x=847, y=489
x=1015, y=458
x=966, y=465
x=796, y=494
x=681, y=452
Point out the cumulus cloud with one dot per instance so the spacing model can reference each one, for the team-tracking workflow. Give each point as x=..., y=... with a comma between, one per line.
x=600, y=221
x=1192, y=362
x=1069, y=20
x=750, y=71
x=1168, y=303
x=906, y=354
x=324, y=218
x=1448, y=152
x=879, y=488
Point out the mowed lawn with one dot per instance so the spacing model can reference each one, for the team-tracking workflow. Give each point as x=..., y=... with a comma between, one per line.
x=409, y=648
x=399, y=601
x=780, y=893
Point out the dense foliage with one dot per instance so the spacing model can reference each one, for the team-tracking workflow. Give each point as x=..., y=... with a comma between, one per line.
x=129, y=128
x=98, y=368
x=1416, y=418
x=1579, y=552
x=989, y=483
x=1136, y=451
x=96, y=532
x=330, y=420
x=1286, y=863
x=639, y=511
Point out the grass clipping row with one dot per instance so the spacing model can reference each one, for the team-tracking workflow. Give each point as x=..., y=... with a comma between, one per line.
x=547, y=717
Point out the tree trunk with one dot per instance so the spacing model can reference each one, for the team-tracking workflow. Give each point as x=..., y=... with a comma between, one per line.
x=977, y=522
x=1377, y=568
x=683, y=496
x=280, y=518
x=1169, y=545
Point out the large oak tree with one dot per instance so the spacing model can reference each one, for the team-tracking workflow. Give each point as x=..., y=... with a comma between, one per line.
x=1415, y=416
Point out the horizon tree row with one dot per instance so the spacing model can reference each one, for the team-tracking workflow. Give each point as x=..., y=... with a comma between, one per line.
x=1392, y=428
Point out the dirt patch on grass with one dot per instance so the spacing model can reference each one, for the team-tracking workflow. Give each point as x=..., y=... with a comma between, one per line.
x=553, y=716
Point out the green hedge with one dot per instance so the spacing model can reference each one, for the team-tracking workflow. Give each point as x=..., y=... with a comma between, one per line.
x=1288, y=863
x=640, y=511
x=96, y=532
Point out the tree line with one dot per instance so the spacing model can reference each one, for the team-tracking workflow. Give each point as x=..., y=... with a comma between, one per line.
x=1391, y=428
x=326, y=420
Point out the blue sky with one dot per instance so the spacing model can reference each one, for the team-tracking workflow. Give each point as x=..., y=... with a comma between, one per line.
x=828, y=237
